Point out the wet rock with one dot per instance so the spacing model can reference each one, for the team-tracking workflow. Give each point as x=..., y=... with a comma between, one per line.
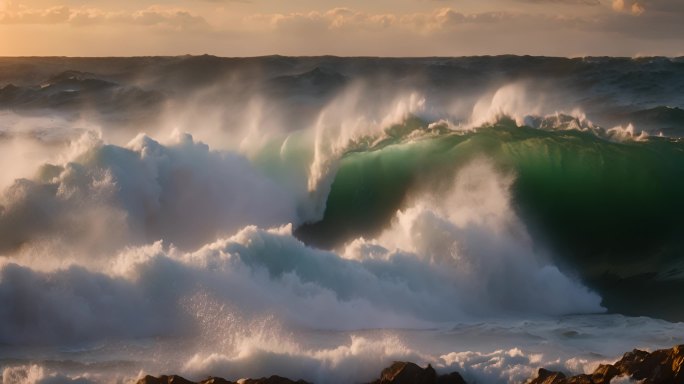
x=407, y=373
x=451, y=378
x=664, y=366
x=215, y=380
x=661, y=366
x=164, y=379
x=273, y=380
x=410, y=373
x=545, y=376
x=174, y=379
x=604, y=373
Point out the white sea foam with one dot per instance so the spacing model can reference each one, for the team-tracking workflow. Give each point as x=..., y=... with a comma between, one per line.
x=180, y=258
x=105, y=197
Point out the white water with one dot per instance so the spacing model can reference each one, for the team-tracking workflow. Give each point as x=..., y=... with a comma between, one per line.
x=492, y=351
x=175, y=257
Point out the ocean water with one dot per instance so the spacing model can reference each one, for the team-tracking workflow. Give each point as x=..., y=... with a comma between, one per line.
x=320, y=218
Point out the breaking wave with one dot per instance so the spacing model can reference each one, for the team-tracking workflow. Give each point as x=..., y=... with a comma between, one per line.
x=492, y=242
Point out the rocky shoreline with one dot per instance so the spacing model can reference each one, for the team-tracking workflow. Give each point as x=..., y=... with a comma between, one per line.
x=664, y=366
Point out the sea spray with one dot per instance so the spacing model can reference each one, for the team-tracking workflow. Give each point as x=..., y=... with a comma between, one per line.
x=325, y=216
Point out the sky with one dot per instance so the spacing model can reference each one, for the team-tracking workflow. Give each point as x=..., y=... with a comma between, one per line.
x=341, y=27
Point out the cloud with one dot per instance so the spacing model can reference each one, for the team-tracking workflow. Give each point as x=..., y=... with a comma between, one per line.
x=637, y=9
x=547, y=27
x=22, y=15
x=634, y=8
x=658, y=21
x=588, y=34
x=153, y=16
x=345, y=18
x=573, y=2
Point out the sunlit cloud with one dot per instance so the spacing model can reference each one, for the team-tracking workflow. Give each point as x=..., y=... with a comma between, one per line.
x=573, y=2
x=153, y=16
x=412, y=27
x=344, y=18
x=637, y=9
x=634, y=8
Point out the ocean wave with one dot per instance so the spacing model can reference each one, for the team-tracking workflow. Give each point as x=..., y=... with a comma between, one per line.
x=320, y=220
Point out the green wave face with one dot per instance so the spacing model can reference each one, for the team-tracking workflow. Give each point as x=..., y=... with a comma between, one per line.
x=600, y=201
x=612, y=211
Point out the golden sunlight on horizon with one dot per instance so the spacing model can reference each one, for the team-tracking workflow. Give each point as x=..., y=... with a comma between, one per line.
x=345, y=28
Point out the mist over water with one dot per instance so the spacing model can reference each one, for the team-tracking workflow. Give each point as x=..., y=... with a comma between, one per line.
x=319, y=218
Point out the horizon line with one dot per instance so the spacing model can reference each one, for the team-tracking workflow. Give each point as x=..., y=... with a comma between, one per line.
x=338, y=56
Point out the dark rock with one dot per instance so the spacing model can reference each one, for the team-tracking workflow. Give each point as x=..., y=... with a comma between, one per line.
x=545, y=376
x=215, y=380
x=407, y=373
x=664, y=366
x=397, y=373
x=173, y=379
x=661, y=366
x=451, y=378
x=274, y=380
x=604, y=373
x=633, y=363
x=580, y=379
x=551, y=377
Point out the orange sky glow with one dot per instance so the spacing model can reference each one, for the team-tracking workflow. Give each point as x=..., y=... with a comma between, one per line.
x=347, y=28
